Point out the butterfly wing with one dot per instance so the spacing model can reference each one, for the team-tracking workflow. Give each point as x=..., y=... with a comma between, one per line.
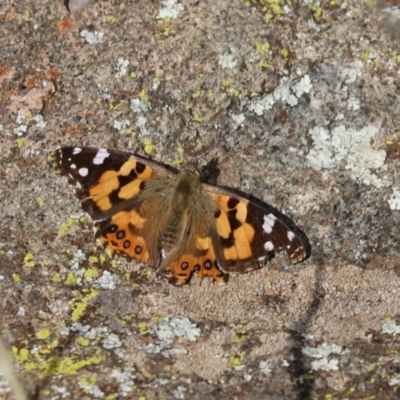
x=121, y=193
x=248, y=235
x=196, y=253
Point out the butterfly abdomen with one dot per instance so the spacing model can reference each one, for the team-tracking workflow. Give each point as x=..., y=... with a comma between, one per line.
x=186, y=189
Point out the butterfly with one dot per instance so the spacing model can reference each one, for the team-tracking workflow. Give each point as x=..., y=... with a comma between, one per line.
x=173, y=221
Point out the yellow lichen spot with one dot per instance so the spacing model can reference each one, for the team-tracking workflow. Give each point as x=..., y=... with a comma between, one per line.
x=43, y=334
x=236, y=359
x=396, y=58
x=28, y=260
x=121, y=321
x=114, y=263
x=285, y=54
x=244, y=321
x=144, y=96
x=365, y=56
x=57, y=277
x=387, y=319
x=111, y=397
x=40, y=202
x=111, y=19
x=143, y=328
x=27, y=15
x=16, y=278
x=79, y=308
x=196, y=118
x=89, y=381
x=166, y=31
x=181, y=153
x=71, y=279
x=82, y=341
x=133, y=75
x=113, y=106
x=65, y=226
x=197, y=94
x=167, y=368
x=127, y=276
x=240, y=336
x=351, y=390
x=54, y=344
x=20, y=142
x=276, y=8
x=263, y=48
x=93, y=260
x=371, y=366
x=148, y=146
x=108, y=253
x=227, y=82
x=265, y=64
x=142, y=398
x=317, y=12
x=370, y=3
x=20, y=355
x=91, y=273
x=65, y=366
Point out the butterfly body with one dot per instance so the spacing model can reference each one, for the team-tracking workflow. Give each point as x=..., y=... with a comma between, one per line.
x=173, y=221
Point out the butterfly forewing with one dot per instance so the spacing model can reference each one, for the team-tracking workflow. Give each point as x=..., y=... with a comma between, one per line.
x=249, y=235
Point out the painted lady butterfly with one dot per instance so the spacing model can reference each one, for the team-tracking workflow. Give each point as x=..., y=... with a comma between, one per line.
x=173, y=221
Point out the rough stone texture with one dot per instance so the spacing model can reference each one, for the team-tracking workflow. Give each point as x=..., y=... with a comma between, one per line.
x=74, y=335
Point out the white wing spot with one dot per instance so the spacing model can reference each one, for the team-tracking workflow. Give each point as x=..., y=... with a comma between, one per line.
x=269, y=246
x=83, y=172
x=269, y=222
x=76, y=150
x=290, y=235
x=73, y=166
x=101, y=155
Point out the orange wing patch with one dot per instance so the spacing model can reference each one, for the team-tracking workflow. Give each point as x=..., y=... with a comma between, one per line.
x=202, y=260
x=236, y=234
x=118, y=235
x=110, y=182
